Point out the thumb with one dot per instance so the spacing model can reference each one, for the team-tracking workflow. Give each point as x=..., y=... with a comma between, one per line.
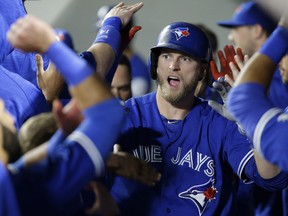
x=214, y=70
x=39, y=63
x=216, y=106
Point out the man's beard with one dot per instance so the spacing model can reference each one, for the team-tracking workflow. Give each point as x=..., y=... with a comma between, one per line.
x=176, y=96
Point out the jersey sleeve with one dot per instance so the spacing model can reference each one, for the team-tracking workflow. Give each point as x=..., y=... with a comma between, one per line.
x=264, y=124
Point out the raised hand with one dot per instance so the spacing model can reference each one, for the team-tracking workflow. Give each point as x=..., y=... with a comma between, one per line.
x=49, y=81
x=236, y=68
x=68, y=117
x=224, y=60
x=104, y=203
x=31, y=34
x=223, y=88
x=124, y=12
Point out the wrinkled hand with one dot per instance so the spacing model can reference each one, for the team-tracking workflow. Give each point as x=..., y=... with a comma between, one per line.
x=67, y=118
x=49, y=81
x=124, y=12
x=223, y=88
x=128, y=166
x=224, y=60
x=104, y=202
x=31, y=34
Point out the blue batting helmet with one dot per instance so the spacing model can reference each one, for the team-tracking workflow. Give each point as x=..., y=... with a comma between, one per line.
x=184, y=37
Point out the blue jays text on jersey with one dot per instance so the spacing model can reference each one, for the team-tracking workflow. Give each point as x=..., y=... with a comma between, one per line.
x=197, y=160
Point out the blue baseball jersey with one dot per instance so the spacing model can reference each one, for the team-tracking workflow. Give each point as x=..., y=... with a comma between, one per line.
x=278, y=91
x=265, y=124
x=196, y=156
x=54, y=186
x=22, y=98
x=10, y=11
x=24, y=64
x=8, y=201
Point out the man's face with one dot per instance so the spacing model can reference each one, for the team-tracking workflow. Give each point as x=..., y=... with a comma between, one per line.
x=242, y=37
x=121, y=83
x=283, y=66
x=177, y=75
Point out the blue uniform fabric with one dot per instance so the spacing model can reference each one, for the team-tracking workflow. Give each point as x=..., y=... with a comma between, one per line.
x=71, y=163
x=22, y=99
x=8, y=201
x=10, y=11
x=139, y=69
x=264, y=123
x=197, y=162
x=278, y=91
x=24, y=64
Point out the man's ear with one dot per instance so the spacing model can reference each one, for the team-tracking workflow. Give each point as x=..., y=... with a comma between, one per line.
x=204, y=68
x=258, y=31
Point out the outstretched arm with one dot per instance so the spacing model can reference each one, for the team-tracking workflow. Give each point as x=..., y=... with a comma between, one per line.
x=264, y=124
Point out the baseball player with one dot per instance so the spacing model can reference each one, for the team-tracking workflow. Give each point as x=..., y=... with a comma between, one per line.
x=195, y=149
x=264, y=124
x=22, y=98
x=73, y=158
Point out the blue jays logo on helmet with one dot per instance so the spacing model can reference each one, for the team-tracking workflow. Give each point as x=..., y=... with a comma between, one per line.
x=180, y=32
x=201, y=195
x=184, y=37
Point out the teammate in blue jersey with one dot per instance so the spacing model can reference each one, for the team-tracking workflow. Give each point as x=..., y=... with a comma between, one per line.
x=73, y=158
x=195, y=149
x=22, y=98
x=9, y=152
x=265, y=124
x=141, y=82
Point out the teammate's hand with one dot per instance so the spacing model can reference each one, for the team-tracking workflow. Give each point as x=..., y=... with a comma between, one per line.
x=68, y=117
x=223, y=88
x=224, y=60
x=127, y=35
x=124, y=12
x=49, y=81
x=236, y=68
x=104, y=203
x=128, y=166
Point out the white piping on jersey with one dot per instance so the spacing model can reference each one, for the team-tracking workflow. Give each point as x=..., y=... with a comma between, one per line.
x=90, y=149
x=266, y=117
x=243, y=163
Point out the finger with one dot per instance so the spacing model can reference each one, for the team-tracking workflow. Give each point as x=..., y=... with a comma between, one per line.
x=234, y=70
x=116, y=148
x=119, y=5
x=57, y=109
x=246, y=58
x=229, y=80
x=240, y=54
x=239, y=62
x=229, y=53
x=214, y=70
x=39, y=64
x=137, y=7
x=133, y=31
